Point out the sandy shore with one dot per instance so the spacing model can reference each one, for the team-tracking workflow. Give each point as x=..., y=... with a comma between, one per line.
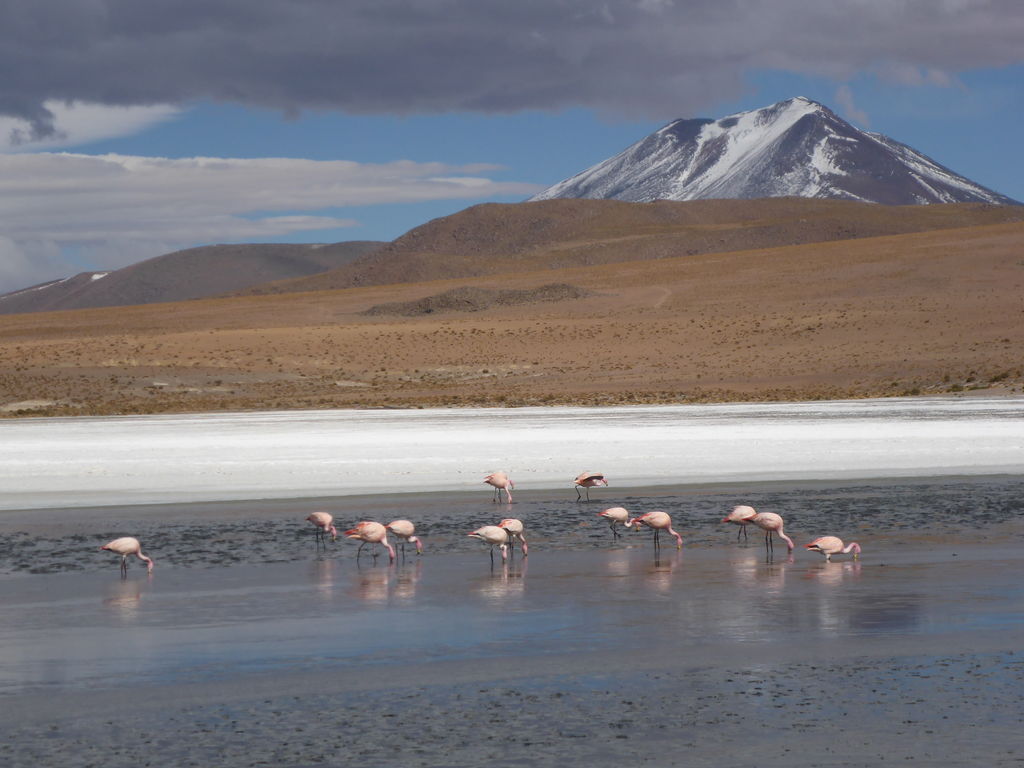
x=588, y=651
x=936, y=312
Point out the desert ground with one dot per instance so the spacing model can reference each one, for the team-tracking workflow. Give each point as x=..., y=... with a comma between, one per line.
x=930, y=312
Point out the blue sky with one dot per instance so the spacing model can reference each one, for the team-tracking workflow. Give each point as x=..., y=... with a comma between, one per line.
x=125, y=135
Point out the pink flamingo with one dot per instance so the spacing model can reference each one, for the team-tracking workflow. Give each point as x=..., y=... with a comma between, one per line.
x=406, y=531
x=616, y=516
x=514, y=528
x=495, y=536
x=833, y=545
x=500, y=481
x=369, y=532
x=659, y=521
x=125, y=546
x=770, y=523
x=588, y=480
x=324, y=523
x=740, y=516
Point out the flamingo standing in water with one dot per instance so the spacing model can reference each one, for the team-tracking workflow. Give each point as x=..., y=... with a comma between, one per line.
x=406, y=531
x=500, y=481
x=369, y=532
x=495, y=536
x=125, y=546
x=588, y=480
x=514, y=528
x=770, y=523
x=324, y=523
x=740, y=516
x=616, y=516
x=659, y=521
x=833, y=545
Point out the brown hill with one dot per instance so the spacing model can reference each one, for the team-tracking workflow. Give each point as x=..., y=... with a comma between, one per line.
x=928, y=312
x=553, y=234
x=190, y=274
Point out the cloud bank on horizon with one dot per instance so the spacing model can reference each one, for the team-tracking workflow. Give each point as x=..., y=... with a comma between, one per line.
x=77, y=71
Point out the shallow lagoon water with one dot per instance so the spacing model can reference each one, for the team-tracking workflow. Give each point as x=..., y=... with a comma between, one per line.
x=249, y=646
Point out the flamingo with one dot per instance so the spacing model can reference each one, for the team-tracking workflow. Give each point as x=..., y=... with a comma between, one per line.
x=514, y=528
x=833, y=545
x=324, y=523
x=369, y=532
x=616, y=515
x=588, y=480
x=770, y=523
x=406, y=531
x=495, y=536
x=659, y=521
x=128, y=545
x=739, y=516
x=500, y=481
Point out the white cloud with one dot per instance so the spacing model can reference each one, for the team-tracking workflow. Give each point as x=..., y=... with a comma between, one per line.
x=114, y=210
x=78, y=123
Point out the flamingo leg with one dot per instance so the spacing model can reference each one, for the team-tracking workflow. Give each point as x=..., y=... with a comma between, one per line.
x=579, y=496
x=615, y=533
x=360, y=550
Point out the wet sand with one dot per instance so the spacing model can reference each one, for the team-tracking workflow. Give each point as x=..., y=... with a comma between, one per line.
x=588, y=651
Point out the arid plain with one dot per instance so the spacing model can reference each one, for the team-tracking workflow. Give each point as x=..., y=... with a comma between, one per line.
x=935, y=311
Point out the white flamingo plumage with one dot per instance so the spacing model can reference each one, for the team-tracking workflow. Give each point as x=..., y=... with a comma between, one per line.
x=126, y=546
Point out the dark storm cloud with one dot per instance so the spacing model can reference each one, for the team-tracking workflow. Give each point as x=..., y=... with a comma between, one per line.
x=658, y=58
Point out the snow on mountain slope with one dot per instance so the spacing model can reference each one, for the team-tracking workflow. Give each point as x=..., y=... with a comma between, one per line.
x=794, y=148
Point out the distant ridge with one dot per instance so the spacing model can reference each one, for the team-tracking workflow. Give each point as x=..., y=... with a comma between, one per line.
x=497, y=238
x=194, y=273
x=795, y=148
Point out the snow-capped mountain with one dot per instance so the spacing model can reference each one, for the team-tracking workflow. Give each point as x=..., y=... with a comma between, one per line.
x=795, y=148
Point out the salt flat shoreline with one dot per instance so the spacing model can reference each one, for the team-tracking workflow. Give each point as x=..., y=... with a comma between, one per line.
x=101, y=462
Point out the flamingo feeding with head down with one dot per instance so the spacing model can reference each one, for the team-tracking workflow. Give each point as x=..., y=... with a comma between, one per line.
x=324, y=523
x=125, y=546
x=588, y=480
x=406, y=531
x=500, y=481
x=770, y=523
x=369, y=532
x=658, y=521
x=740, y=516
x=514, y=528
x=616, y=516
x=833, y=545
x=495, y=536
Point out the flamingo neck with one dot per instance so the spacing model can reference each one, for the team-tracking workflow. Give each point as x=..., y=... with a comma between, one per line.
x=853, y=546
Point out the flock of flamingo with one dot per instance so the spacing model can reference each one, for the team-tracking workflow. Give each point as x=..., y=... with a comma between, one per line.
x=509, y=531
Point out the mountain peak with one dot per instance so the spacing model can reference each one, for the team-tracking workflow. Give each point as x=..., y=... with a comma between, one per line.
x=793, y=148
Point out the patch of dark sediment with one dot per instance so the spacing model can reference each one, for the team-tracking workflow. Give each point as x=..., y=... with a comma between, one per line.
x=470, y=299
